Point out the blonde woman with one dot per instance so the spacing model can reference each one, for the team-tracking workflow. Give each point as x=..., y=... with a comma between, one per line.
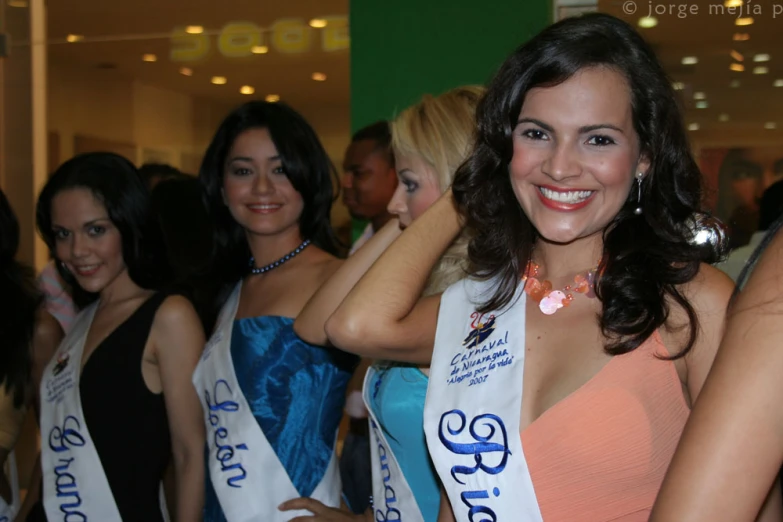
x=430, y=140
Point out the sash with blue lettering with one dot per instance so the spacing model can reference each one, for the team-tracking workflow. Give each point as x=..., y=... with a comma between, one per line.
x=75, y=485
x=392, y=497
x=249, y=479
x=472, y=410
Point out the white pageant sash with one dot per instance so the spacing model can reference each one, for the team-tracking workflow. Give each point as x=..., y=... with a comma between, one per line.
x=6, y=511
x=249, y=479
x=75, y=485
x=392, y=497
x=472, y=410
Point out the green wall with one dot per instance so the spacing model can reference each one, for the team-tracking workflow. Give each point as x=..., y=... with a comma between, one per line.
x=402, y=49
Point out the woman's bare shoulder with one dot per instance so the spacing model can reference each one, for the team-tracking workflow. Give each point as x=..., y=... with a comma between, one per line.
x=47, y=335
x=322, y=265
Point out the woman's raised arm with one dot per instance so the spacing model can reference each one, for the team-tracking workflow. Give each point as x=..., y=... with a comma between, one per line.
x=310, y=322
x=384, y=317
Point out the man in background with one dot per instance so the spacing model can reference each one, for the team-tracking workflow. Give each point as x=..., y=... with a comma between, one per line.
x=368, y=183
x=153, y=173
x=369, y=179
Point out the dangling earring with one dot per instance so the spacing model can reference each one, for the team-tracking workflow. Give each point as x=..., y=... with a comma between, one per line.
x=638, y=209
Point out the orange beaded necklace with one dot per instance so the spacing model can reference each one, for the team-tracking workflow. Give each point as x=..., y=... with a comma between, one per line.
x=549, y=300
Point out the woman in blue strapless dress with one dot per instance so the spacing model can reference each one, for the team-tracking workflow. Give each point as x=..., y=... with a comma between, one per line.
x=430, y=140
x=268, y=183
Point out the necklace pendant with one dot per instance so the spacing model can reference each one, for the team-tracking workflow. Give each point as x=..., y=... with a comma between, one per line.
x=552, y=302
x=549, y=300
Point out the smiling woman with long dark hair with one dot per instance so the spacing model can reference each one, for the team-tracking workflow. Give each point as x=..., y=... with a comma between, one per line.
x=563, y=368
x=117, y=403
x=272, y=402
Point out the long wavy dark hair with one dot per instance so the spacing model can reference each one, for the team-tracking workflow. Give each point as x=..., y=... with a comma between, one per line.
x=18, y=307
x=646, y=257
x=115, y=182
x=306, y=165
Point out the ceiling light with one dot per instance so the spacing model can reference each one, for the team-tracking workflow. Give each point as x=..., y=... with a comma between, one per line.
x=761, y=57
x=702, y=104
x=71, y=38
x=272, y=98
x=646, y=22
x=319, y=77
x=748, y=20
x=17, y=3
x=737, y=56
x=723, y=117
x=699, y=96
x=735, y=84
x=693, y=126
x=194, y=29
x=219, y=80
x=741, y=37
x=770, y=125
x=259, y=49
x=690, y=60
x=318, y=23
x=678, y=86
x=149, y=58
x=778, y=82
x=760, y=70
x=733, y=3
x=186, y=71
x=247, y=89
x=737, y=67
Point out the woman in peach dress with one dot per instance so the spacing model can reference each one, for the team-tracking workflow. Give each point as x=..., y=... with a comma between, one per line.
x=591, y=315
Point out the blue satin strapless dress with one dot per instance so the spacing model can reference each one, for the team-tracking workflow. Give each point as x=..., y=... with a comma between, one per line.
x=296, y=392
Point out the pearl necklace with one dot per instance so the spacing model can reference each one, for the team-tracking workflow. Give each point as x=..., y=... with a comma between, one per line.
x=550, y=301
x=261, y=269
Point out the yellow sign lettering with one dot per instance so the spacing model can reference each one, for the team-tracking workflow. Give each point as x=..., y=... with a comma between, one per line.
x=237, y=39
x=188, y=47
x=291, y=35
x=335, y=36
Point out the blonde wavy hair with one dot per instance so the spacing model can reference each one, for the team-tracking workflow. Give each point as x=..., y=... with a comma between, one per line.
x=440, y=130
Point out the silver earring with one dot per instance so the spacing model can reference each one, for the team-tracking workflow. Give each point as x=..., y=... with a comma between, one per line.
x=638, y=210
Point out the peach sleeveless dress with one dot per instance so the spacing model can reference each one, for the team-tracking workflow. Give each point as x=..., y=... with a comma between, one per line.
x=601, y=453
